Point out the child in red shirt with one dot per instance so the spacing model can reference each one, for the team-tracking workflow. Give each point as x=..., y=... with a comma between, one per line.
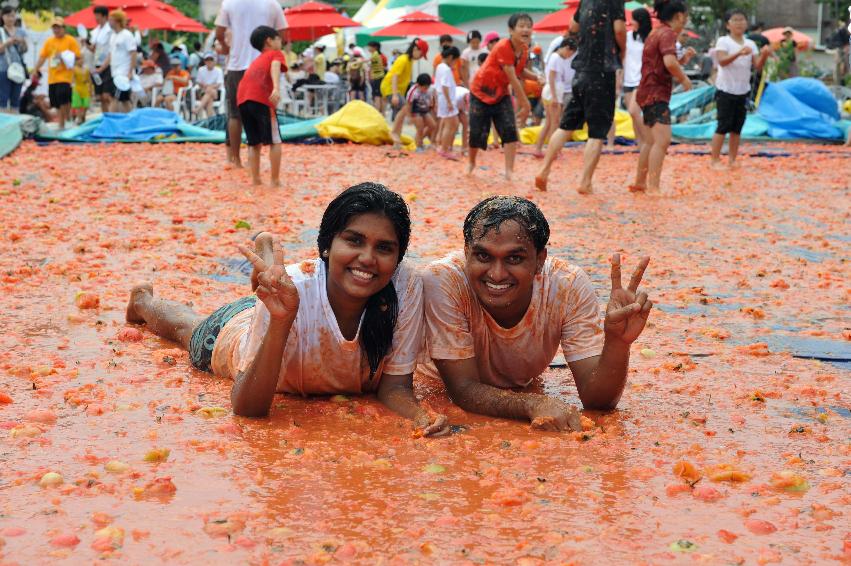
x=257, y=96
x=490, y=99
x=659, y=66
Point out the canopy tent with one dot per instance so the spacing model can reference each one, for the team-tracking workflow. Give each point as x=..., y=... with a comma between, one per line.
x=144, y=14
x=312, y=20
x=558, y=22
x=418, y=24
x=775, y=35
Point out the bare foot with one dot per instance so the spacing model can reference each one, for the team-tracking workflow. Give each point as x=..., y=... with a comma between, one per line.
x=585, y=190
x=637, y=188
x=507, y=176
x=256, y=181
x=653, y=190
x=470, y=168
x=716, y=164
x=137, y=294
x=275, y=183
x=733, y=165
x=540, y=183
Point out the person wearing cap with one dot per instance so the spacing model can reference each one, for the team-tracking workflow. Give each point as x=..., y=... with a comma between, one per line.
x=176, y=79
x=320, y=64
x=60, y=72
x=490, y=40
x=209, y=80
x=121, y=61
x=397, y=81
x=150, y=78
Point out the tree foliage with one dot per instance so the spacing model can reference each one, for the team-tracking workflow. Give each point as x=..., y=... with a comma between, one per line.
x=709, y=14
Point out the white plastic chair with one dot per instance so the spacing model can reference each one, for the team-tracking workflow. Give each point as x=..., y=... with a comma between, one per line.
x=289, y=98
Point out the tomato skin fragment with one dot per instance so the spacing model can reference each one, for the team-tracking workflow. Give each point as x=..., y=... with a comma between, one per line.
x=727, y=536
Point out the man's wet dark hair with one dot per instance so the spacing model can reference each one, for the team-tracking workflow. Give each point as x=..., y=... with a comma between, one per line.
x=493, y=211
x=515, y=19
x=382, y=309
x=260, y=35
x=101, y=11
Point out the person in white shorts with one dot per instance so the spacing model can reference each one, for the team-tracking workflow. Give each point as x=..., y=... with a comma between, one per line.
x=447, y=111
x=559, y=75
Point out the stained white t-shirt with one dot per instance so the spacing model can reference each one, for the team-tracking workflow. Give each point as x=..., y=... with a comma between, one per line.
x=206, y=76
x=317, y=358
x=242, y=17
x=472, y=57
x=735, y=78
x=564, y=311
x=632, y=61
x=121, y=46
x=443, y=78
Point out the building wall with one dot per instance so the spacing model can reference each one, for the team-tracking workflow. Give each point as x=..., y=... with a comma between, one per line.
x=781, y=13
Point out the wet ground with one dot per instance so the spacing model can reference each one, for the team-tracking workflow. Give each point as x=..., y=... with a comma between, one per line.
x=731, y=445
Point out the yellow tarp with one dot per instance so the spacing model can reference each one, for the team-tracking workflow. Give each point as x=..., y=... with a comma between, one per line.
x=623, y=128
x=359, y=122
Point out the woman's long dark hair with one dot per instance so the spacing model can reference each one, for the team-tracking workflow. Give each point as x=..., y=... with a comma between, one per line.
x=667, y=9
x=382, y=309
x=410, y=50
x=645, y=24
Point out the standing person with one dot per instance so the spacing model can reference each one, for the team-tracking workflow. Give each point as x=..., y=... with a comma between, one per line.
x=290, y=55
x=601, y=25
x=788, y=53
x=559, y=74
x=376, y=74
x=241, y=18
x=101, y=76
x=82, y=92
x=447, y=111
x=470, y=57
x=490, y=100
x=320, y=64
x=258, y=95
x=349, y=321
x=447, y=41
x=397, y=81
x=209, y=80
x=60, y=73
x=659, y=66
x=737, y=56
x=356, y=71
x=642, y=25
x=195, y=61
x=13, y=45
x=121, y=61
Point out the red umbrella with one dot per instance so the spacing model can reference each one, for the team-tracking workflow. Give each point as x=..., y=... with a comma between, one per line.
x=558, y=22
x=144, y=14
x=775, y=35
x=419, y=24
x=314, y=19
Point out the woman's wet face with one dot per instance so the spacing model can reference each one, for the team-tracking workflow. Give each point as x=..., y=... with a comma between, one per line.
x=363, y=256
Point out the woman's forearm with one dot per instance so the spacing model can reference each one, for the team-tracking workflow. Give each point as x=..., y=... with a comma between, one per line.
x=254, y=389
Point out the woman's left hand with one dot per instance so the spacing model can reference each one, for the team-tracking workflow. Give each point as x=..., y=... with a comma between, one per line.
x=431, y=423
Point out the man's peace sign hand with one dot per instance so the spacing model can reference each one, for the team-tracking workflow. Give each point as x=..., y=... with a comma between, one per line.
x=628, y=309
x=274, y=286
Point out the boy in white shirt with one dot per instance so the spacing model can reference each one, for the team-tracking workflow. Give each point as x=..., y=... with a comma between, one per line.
x=210, y=80
x=737, y=56
x=447, y=111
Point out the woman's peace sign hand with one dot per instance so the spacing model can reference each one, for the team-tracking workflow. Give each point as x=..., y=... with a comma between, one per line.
x=628, y=309
x=274, y=286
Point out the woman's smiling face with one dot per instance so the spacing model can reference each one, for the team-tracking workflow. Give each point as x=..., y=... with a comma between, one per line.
x=363, y=256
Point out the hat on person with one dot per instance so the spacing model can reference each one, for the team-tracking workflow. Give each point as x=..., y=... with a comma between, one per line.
x=491, y=36
x=357, y=53
x=58, y=21
x=209, y=55
x=788, y=29
x=422, y=45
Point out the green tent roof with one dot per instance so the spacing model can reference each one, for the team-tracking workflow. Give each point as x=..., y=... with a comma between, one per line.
x=456, y=12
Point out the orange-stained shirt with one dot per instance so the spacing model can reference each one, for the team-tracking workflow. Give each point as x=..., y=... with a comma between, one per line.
x=456, y=68
x=490, y=85
x=317, y=357
x=564, y=311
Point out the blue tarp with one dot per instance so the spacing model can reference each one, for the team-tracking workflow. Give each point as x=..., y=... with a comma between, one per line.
x=10, y=133
x=794, y=109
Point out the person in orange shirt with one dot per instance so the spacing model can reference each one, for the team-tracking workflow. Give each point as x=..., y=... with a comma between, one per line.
x=447, y=41
x=498, y=312
x=60, y=73
x=179, y=78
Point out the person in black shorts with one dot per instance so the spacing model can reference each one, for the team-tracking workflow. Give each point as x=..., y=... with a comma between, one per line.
x=601, y=25
x=257, y=96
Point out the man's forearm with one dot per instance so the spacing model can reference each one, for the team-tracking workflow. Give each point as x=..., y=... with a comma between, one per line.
x=604, y=389
x=489, y=400
x=254, y=389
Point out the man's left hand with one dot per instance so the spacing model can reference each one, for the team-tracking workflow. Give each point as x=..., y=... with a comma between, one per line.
x=628, y=309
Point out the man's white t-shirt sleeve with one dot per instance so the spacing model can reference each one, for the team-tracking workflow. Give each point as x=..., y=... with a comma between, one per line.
x=223, y=19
